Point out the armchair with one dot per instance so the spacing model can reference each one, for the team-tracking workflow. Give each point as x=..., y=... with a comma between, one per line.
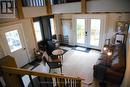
x=50, y=46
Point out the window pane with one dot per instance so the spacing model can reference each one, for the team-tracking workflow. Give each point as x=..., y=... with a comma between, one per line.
x=37, y=29
x=95, y=32
x=13, y=40
x=52, y=26
x=81, y=31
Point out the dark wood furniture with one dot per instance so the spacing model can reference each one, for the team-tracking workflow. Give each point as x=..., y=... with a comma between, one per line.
x=53, y=63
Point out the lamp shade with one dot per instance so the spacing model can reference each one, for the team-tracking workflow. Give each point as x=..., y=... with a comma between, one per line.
x=105, y=48
x=109, y=53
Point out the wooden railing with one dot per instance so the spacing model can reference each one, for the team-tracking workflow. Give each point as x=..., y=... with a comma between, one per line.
x=54, y=2
x=12, y=77
x=33, y=3
x=36, y=3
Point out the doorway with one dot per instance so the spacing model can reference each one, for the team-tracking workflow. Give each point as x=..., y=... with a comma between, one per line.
x=89, y=30
x=13, y=43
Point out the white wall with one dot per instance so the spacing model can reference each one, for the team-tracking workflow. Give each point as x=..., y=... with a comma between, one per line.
x=34, y=11
x=5, y=20
x=28, y=32
x=93, y=6
x=111, y=22
x=110, y=26
x=108, y=6
x=29, y=36
x=57, y=24
x=66, y=8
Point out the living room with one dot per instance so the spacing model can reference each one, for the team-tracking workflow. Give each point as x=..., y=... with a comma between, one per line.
x=65, y=20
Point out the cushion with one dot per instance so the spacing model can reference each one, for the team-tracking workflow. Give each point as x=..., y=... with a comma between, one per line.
x=115, y=55
x=115, y=61
x=50, y=44
x=116, y=67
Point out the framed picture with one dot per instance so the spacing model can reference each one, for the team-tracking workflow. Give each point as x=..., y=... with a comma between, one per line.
x=119, y=38
x=120, y=26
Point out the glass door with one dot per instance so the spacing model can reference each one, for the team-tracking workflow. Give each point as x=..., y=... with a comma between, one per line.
x=90, y=31
x=95, y=32
x=80, y=32
x=14, y=43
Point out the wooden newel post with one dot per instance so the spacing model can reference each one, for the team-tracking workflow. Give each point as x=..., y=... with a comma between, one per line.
x=11, y=80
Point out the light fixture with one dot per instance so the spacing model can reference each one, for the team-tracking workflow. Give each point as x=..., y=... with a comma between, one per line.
x=104, y=48
x=109, y=53
x=107, y=49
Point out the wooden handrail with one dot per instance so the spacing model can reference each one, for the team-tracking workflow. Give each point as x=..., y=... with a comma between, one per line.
x=13, y=76
x=19, y=71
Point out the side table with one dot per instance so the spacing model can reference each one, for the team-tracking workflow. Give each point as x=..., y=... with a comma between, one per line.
x=59, y=53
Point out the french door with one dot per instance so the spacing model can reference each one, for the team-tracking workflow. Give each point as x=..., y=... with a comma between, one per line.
x=89, y=30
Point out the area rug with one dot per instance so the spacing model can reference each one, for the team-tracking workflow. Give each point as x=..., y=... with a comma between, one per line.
x=80, y=64
x=64, y=51
x=83, y=49
x=76, y=64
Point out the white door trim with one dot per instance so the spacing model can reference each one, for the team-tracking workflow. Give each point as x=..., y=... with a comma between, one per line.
x=87, y=17
x=6, y=28
x=26, y=46
x=102, y=30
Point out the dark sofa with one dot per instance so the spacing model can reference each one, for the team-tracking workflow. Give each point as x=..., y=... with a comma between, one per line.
x=112, y=69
